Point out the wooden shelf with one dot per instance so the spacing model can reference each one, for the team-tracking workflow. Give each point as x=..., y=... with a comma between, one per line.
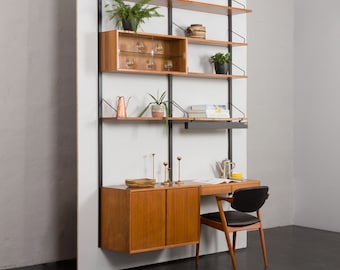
x=200, y=7
x=208, y=8
x=212, y=42
x=189, y=74
x=214, y=76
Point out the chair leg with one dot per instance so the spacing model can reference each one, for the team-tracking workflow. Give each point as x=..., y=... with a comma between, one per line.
x=234, y=241
x=197, y=252
x=263, y=245
x=231, y=250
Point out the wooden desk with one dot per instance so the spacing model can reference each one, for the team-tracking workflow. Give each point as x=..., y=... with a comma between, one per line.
x=209, y=189
x=143, y=219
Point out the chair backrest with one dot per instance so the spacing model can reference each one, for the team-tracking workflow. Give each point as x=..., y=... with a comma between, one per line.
x=249, y=199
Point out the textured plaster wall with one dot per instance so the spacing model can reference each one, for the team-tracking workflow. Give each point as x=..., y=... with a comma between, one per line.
x=37, y=132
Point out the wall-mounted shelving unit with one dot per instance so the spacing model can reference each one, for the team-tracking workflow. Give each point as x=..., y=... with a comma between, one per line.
x=155, y=54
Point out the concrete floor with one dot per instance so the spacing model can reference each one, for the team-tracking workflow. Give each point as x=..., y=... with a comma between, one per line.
x=289, y=247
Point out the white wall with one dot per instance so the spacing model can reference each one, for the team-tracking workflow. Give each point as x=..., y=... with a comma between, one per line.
x=317, y=106
x=38, y=134
x=271, y=105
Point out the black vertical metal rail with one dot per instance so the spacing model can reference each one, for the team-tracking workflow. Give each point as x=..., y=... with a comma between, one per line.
x=170, y=96
x=230, y=83
x=100, y=123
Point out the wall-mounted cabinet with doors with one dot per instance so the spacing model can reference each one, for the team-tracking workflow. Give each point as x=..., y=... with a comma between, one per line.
x=144, y=219
x=152, y=55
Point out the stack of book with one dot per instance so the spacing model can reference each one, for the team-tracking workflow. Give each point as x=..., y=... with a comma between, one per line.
x=209, y=111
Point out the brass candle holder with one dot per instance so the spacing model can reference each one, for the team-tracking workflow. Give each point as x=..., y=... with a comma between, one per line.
x=153, y=165
x=179, y=181
x=166, y=182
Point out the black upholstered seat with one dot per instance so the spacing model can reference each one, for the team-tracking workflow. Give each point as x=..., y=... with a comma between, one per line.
x=234, y=218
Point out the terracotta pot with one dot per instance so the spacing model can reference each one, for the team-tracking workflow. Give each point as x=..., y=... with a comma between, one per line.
x=157, y=110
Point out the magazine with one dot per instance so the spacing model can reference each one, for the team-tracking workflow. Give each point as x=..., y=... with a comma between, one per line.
x=217, y=180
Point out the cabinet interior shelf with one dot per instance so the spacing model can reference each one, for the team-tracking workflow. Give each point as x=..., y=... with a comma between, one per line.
x=200, y=7
x=150, y=54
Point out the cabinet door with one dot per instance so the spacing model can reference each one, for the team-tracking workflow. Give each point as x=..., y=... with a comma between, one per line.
x=182, y=216
x=147, y=220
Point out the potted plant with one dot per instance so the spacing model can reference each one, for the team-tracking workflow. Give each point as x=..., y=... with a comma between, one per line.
x=158, y=106
x=221, y=61
x=130, y=17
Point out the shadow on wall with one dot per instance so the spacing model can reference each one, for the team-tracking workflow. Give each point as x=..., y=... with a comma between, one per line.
x=65, y=93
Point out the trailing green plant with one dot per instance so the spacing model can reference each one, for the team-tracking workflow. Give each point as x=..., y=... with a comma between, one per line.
x=135, y=15
x=221, y=58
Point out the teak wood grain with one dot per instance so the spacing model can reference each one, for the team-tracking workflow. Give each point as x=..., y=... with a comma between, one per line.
x=209, y=189
x=183, y=216
x=147, y=219
x=144, y=219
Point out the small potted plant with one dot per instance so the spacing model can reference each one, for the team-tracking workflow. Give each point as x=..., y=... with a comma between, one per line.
x=221, y=61
x=130, y=17
x=158, y=106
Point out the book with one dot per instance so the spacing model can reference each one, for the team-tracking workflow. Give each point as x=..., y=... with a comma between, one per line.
x=209, y=114
x=209, y=111
x=205, y=107
x=216, y=180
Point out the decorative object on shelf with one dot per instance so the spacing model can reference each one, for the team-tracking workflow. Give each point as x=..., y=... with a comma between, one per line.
x=166, y=181
x=150, y=64
x=159, y=48
x=130, y=17
x=130, y=62
x=153, y=165
x=209, y=111
x=195, y=31
x=221, y=61
x=159, y=105
x=140, y=46
x=140, y=182
x=179, y=181
x=121, y=107
x=225, y=166
x=168, y=65
x=236, y=175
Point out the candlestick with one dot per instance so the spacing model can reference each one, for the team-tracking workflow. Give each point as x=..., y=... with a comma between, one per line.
x=165, y=181
x=179, y=181
x=153, y=165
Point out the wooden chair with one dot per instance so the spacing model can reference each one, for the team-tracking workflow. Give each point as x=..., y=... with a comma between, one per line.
x=244, y=201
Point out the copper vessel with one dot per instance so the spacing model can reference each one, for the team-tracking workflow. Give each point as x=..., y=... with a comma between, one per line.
x=121, y=107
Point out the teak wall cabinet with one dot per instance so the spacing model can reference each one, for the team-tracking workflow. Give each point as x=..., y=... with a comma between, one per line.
x=140, y=52
x=137, y=220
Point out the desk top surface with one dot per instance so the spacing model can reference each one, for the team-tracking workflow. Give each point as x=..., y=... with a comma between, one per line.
x=205, y=189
